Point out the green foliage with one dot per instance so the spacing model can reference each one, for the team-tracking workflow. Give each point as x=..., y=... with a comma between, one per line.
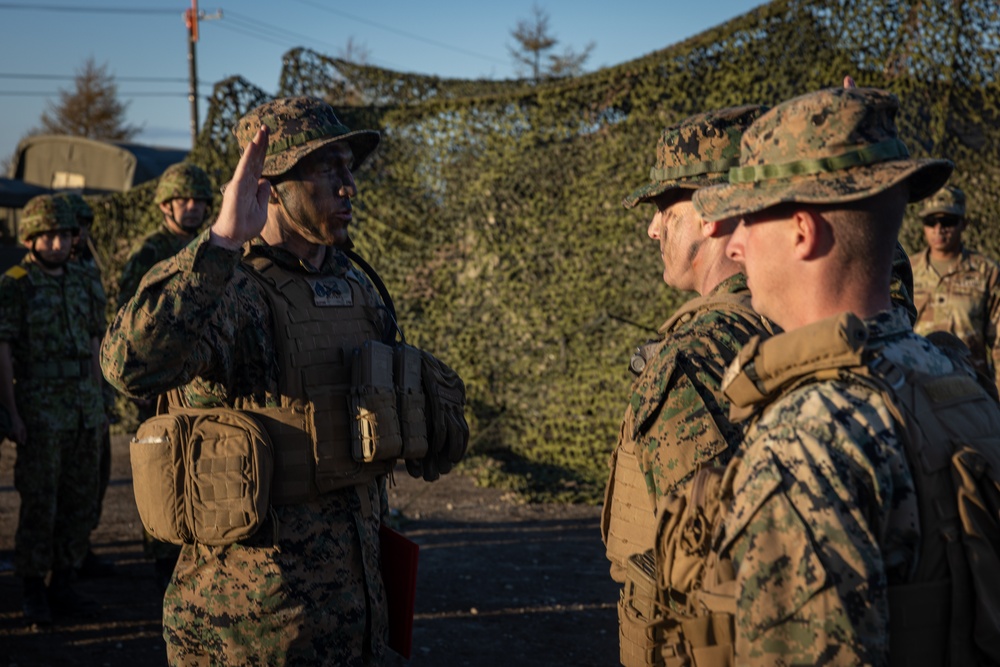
x=492, y=209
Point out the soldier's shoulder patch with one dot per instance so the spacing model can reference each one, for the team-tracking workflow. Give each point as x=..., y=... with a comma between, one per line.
x=16, y=272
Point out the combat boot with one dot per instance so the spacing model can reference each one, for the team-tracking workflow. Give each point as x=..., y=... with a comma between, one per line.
x=64, y=600
x=34, y=602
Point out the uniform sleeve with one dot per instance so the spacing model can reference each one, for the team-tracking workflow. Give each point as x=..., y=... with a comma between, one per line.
x=12, y=306
x=810, y=580
x=184, y=322
x=682, y=421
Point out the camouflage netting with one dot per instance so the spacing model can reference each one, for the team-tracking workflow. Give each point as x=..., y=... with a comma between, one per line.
x=493, y=209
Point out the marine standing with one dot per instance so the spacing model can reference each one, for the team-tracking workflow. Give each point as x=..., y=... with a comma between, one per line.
x=821, y=509
x=677, y=420
x=265, y=312
x=50, y=385
x=956, y=289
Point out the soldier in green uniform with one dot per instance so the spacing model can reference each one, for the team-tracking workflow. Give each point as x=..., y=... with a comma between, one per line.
x=50, y=385
x=677, y=420
x=266, y=313
x=820, y=503
x=183, y=195
x=83, y=255
x=956, y=288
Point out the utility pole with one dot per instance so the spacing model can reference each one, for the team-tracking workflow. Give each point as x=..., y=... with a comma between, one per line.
x=191, y=18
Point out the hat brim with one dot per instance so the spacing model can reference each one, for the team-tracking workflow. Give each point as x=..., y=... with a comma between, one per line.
x=362, y=142
x=733, y=200
x=957, y=211
x=657, y=188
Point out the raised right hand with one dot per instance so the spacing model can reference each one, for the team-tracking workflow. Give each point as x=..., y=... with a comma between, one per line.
x=244, y=203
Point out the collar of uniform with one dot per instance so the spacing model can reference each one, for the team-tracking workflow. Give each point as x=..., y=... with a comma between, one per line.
x=734, y=284
x=888, y=324
x=335, y=262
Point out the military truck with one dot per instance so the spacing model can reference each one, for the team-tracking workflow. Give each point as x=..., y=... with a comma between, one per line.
x=48, y=162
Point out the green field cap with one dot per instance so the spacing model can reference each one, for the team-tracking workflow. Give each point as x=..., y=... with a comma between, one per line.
x=834, y=145
x=298, y=126
x=949, y=200
x=697, y=152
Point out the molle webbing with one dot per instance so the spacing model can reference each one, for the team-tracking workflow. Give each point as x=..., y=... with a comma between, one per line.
x=313, y=348
x=627, y=519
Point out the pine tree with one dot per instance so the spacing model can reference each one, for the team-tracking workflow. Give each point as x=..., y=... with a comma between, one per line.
x=92, y=109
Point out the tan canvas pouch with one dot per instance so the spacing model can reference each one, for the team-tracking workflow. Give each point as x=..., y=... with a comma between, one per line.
x=158, y=477
x=202, y=476
x=411, y=399
x=374, y=420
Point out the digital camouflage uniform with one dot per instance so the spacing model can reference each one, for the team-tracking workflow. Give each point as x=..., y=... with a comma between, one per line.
x=821, y=504
x=83, y=256
x=314, y=595
x=676, y=419
x=965, y=301
x=824, y=515
x=211, y=335
x=50, y=323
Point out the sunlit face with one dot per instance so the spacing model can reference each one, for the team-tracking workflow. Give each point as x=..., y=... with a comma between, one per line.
x=52, y=248
x=762, y=242
x=316, y=194
x=676, y=225
x=184, y=215
x=943, y=233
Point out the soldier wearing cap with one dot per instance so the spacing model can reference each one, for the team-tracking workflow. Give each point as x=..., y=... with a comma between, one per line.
x=50, y=386
x=266, y=312
x=83, y=255
x=184, y=197
x=956, y=288
x=676, y=419
x=820, y=509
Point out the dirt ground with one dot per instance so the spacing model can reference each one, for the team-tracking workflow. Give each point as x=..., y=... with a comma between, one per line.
x=499, y=583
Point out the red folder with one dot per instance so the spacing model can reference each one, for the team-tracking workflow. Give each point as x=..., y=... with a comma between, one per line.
x=399, y=575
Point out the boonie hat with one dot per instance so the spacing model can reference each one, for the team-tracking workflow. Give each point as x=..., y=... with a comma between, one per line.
x=697, y=152
x=298, y=126
x=949, y=200
x=834, y=145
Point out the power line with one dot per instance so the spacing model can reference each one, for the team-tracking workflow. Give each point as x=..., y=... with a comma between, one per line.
x=85, y=10
x=38, y=93
x=419, y=38
x=66, y=77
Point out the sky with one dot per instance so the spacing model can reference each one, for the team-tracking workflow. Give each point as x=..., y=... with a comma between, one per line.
x=144, y=45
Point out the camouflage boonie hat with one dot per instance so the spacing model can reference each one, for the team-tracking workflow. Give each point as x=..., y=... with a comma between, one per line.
x=81, y=209
x=298, y=126
x=697, y=152
x=183, y=181
x=42, y=214
x=831, y=146
x=949, y=200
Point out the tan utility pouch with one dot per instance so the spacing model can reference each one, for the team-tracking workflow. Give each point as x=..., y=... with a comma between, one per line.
x=411, y=399
x=640, y=622
x=201, y=476
x=374, y=421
